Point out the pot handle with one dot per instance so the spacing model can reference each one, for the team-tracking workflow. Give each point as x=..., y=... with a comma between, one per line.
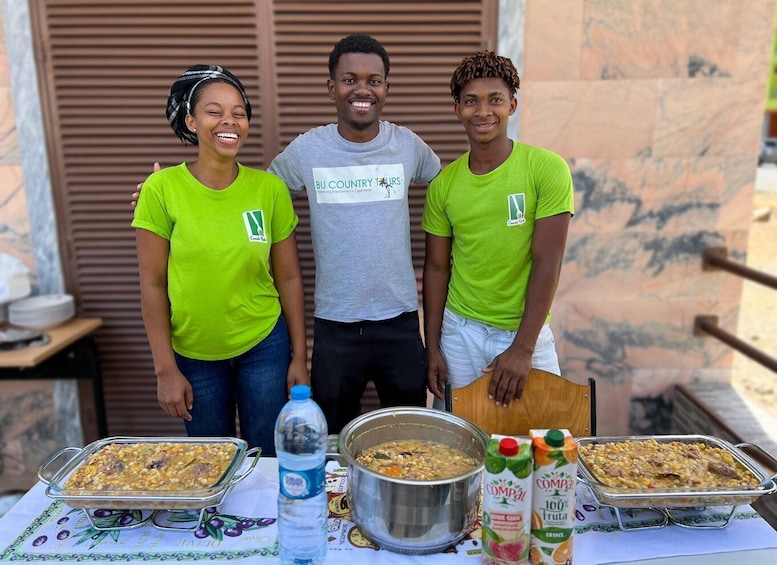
x=333, y=449
x=763, y=452
x=256, y=451
x=44, y=474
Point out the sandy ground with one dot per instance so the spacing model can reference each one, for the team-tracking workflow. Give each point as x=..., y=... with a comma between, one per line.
x=758, y=313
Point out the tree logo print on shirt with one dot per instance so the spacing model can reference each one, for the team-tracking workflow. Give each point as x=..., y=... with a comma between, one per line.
x=254, y=221
x=516, y=209
x=385, y=183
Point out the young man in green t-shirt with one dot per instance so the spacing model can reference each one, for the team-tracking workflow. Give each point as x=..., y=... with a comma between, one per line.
x=501, y=212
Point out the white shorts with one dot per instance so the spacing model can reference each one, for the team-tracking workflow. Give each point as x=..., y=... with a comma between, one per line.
x=468, y=346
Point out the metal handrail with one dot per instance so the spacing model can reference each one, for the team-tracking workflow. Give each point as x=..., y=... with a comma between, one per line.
x=715, y=258
x=709, y=325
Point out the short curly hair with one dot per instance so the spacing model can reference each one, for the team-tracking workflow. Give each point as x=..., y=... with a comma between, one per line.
x=357, y=43
x=484, y=64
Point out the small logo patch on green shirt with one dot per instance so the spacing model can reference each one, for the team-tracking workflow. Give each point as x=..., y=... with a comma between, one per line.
x=254, y=221
x=516, y=208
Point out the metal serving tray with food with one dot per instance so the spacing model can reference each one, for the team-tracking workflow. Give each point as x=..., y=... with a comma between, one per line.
x=672, y=471
x=147, y=473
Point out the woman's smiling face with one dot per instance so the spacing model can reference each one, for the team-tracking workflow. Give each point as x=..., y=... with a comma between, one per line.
x=219, y=118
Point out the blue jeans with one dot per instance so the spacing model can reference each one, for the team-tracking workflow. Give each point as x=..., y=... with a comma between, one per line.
x=468, y=345
x=254, y=383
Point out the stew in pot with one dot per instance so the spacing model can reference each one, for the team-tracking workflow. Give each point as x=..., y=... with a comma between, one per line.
x=417, y=459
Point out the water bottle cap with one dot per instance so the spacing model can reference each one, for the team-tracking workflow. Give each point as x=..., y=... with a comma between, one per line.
x=300, y=392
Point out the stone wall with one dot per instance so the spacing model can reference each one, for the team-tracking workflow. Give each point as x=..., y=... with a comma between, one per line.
x=658, y=105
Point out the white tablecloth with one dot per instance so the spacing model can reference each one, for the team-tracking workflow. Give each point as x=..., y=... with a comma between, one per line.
x=243, y=529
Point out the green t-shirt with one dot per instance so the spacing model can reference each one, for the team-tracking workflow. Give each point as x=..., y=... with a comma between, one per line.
x=222, y=297
x=490, y=219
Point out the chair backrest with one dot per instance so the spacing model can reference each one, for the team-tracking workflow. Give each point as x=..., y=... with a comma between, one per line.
x=548, y=401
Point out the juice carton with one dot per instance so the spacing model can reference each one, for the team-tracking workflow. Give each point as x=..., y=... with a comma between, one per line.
x=553, y=504
x=507, y=501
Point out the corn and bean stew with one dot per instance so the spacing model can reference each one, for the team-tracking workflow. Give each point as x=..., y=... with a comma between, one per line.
x=153, y=467
x=417, y=460
x=654, y=464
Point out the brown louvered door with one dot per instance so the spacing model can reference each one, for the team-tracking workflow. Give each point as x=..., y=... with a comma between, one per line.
x=424, y=40
x=105, y=67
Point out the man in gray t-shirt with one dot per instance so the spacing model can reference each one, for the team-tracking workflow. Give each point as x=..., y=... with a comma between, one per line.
x=357, y=173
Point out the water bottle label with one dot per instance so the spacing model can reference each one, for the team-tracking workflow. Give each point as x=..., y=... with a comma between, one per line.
x=302, y=484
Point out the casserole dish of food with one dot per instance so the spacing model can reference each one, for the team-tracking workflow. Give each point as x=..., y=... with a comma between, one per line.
x=147, y=473
x=671, y=471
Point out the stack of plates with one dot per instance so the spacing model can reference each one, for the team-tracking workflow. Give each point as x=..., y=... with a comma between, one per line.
x=41, y=312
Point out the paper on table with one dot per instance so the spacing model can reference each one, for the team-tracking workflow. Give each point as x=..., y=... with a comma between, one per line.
x=255, y=496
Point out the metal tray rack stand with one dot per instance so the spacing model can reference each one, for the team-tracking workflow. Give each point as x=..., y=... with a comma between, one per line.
x=667, y=516
x=130, y=519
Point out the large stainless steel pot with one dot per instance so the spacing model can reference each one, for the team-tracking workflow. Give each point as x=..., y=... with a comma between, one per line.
x=407, y=516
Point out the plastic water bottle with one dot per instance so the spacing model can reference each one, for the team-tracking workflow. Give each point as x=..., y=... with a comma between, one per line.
x=300, y=445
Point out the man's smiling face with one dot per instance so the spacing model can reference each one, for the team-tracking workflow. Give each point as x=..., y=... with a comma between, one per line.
x=484, y=107
x=359, y=90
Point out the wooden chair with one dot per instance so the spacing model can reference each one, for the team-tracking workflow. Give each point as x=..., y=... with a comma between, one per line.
x=548, y=401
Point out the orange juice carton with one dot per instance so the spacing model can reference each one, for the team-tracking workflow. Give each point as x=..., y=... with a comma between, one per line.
x=507, y=501
x=554, y=477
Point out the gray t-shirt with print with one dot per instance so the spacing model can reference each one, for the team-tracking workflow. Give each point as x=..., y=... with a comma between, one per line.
x=359, y=217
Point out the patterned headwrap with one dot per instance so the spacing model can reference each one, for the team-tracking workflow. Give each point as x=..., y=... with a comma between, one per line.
x=179, y=102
